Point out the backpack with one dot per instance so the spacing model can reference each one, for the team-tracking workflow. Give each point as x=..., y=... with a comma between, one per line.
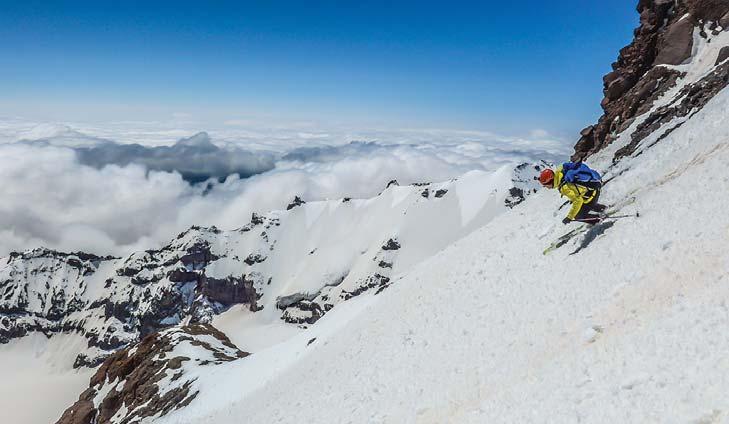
x=579, y=173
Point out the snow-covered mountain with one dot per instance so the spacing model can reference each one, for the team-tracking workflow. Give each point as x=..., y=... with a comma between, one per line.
x=292, y=265
x=451, y=302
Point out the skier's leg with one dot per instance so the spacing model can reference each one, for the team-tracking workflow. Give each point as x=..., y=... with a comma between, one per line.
x=585, y=215
x=595, y=204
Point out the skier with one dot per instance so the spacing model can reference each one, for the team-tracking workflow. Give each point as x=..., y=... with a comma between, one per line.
x=581, y=185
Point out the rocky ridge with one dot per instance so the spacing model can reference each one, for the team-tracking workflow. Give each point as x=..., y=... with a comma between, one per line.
x=152, y=378
x=652, y=64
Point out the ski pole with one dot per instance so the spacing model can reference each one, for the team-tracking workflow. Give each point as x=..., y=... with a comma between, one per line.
x=602, y=218
x=635, y=215
x=589, y=220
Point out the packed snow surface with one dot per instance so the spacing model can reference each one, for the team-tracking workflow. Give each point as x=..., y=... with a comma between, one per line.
x=632, y=328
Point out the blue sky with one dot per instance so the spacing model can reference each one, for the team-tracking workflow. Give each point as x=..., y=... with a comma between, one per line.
x=507, y=67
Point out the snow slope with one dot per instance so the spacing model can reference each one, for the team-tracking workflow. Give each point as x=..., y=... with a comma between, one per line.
x=294, y=265
x=632, y=328
x=272, y=277
x=37, y=378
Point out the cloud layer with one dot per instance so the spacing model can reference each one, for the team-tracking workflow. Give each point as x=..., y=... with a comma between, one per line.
x=73, y=192
x=196, y=158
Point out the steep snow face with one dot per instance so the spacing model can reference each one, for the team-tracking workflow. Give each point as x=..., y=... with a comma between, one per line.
x=628, y=329
x=622, y=323
x=288, y=266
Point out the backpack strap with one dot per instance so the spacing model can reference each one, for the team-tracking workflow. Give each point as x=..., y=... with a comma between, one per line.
x=587, y=187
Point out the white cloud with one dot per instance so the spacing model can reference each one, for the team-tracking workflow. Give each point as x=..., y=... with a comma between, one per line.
x=538, y=133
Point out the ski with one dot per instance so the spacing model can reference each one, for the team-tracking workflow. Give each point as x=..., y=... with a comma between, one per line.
x=562, y=240
x=611, y=213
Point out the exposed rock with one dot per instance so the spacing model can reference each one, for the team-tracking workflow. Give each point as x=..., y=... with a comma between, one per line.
x=255, y=258
x=384, y=264
x=392, y=183
x=41, y=288
x=229, y=291
x=378, y=281
x=144, y=293
x=689, y=100
x=85, y=360
x=256, y=219
x=516, y=196
x=308, y=308
x=151, y=379
x=391, y=244
x=284, y=302
x=303, y=312
x=674, y=45
x=665, y=36
x=723, y=55
x=724, y=21
x=525, y=181
x=425, y=193
x=440, y=193
x=296, y=202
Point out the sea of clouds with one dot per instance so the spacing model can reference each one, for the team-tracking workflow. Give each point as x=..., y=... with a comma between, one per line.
x=112, y=189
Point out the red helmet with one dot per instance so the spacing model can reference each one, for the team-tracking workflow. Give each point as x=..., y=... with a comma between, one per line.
x=547, y=177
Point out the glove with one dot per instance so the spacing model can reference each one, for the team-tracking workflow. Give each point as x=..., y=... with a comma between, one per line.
x=566, y=221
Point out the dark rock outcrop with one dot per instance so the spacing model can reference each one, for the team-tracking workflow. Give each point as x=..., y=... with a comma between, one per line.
x=378, y=281
x=690, y=100
x=392, y=244
x=294, y=203
x=440, y=193
x=149, y=379
x=255, y=258
x=665, y=36
x=34, y=295
x=229, y=291
x=525, y=183
x=674, y=47
x=723, y=55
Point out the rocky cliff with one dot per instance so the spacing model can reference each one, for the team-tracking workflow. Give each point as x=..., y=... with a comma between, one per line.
x=153, y=378
x=652, y=64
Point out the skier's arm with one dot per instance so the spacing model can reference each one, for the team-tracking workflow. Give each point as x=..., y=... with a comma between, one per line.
x=576, y=206
x=573, y=193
